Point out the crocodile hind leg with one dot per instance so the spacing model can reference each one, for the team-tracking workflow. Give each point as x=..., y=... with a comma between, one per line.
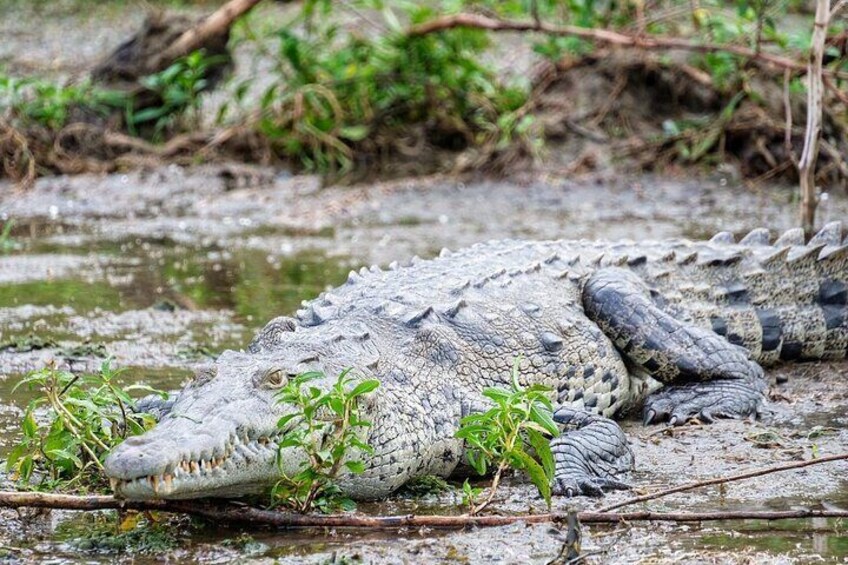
x=590, y=456
x=714, y=377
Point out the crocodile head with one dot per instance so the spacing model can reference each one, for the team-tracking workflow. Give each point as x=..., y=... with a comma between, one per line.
x=220, y=437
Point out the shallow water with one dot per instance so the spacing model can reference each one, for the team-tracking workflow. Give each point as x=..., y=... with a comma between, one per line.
x=162, y=270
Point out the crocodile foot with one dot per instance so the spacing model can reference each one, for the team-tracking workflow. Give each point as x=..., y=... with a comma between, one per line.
x=590, y=456
x=705, y=401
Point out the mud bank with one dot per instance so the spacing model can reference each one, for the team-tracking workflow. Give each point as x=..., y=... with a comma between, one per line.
x=162, y=269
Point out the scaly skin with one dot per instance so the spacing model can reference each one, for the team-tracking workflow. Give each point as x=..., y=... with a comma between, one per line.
x=603, y=324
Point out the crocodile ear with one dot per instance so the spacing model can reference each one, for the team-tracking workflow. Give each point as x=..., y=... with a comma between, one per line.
x=272, y=334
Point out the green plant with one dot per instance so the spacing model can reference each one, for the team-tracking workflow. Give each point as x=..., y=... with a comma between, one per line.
x=68, y=430
x=470, y=495
x=504, y=436
x=178, y=88
x=343, y=97
x=7, y=244
x=325, y=425
x=35, y=101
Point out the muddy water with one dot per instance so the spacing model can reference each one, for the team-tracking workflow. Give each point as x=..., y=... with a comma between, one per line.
x=163, y=269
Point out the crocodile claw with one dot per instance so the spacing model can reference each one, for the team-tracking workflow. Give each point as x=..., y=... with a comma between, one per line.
x=586, y=486
x=704, y=401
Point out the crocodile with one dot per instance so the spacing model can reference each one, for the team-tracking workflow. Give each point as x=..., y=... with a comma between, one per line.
x=679, y=328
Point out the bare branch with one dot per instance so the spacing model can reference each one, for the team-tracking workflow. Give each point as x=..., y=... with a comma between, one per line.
x=731, y=478
x=645, y=42
x=234, y=513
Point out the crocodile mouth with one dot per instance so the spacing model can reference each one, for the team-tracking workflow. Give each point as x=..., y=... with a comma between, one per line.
x=243, y=465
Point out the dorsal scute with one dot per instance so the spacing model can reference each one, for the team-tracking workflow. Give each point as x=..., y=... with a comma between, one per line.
x=723, y=238
x=795, y=236
x=830, y=234
x=759, y=236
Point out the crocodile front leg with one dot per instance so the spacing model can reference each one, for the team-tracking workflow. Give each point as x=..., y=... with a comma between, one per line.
x=590, y=456
x=718, y=378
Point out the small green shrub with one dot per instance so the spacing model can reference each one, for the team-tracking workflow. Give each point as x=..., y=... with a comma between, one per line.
x=48, y=104
x=84, y=417
x=326, y=426
x=178, y=88
x=508, y=435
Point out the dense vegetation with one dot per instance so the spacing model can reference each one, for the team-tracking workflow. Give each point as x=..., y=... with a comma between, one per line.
x=373, y=82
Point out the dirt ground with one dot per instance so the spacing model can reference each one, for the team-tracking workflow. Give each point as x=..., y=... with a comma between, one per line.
x=164, y=268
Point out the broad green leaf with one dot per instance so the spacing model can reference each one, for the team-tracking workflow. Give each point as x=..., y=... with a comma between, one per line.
x=496, y=394
x=537, y=475
x=364, y=388
x=541, y=445
x=28, y=425
x=544, y=418
x=281, y=423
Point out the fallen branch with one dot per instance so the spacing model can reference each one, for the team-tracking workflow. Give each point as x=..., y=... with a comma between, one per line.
x=644, y=42
x=234, y=513
x=721, y=480
x=217, y=23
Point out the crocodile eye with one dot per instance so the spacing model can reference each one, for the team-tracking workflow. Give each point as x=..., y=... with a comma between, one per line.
x=275, y=379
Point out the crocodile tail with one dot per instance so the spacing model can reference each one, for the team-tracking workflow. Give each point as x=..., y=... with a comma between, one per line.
x=799, y=293
x=782, y=301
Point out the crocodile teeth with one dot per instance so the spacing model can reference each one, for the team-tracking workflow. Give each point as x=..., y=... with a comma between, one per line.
x=154, y=483
x=113, y=483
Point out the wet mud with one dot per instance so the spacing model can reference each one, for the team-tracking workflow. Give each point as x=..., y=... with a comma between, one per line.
x=163, y=269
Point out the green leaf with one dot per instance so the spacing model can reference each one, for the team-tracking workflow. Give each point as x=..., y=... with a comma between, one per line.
x=66, y=455
x=357, y=467
x=544, y=418
x=497, y=394
x=281, y=423
x=541, y=445
x=354, y=133
x=537, y=475
x=364, y=388
x=14, y=456
x=28, y=424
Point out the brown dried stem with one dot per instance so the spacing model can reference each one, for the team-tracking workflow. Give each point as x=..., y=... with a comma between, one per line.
x=731, y=478
x=233, y=513
x=644, y=42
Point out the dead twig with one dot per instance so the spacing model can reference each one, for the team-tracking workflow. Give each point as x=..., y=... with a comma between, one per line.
x=234, y=513
x=721, y=480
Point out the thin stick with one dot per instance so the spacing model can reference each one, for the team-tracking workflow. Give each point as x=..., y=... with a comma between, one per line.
x=233, y=513
x=721, y=480
x=645, y=42
x=815, y=88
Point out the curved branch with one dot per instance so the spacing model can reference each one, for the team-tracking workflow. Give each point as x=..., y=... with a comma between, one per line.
x=644, y=42
x=731, y=478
